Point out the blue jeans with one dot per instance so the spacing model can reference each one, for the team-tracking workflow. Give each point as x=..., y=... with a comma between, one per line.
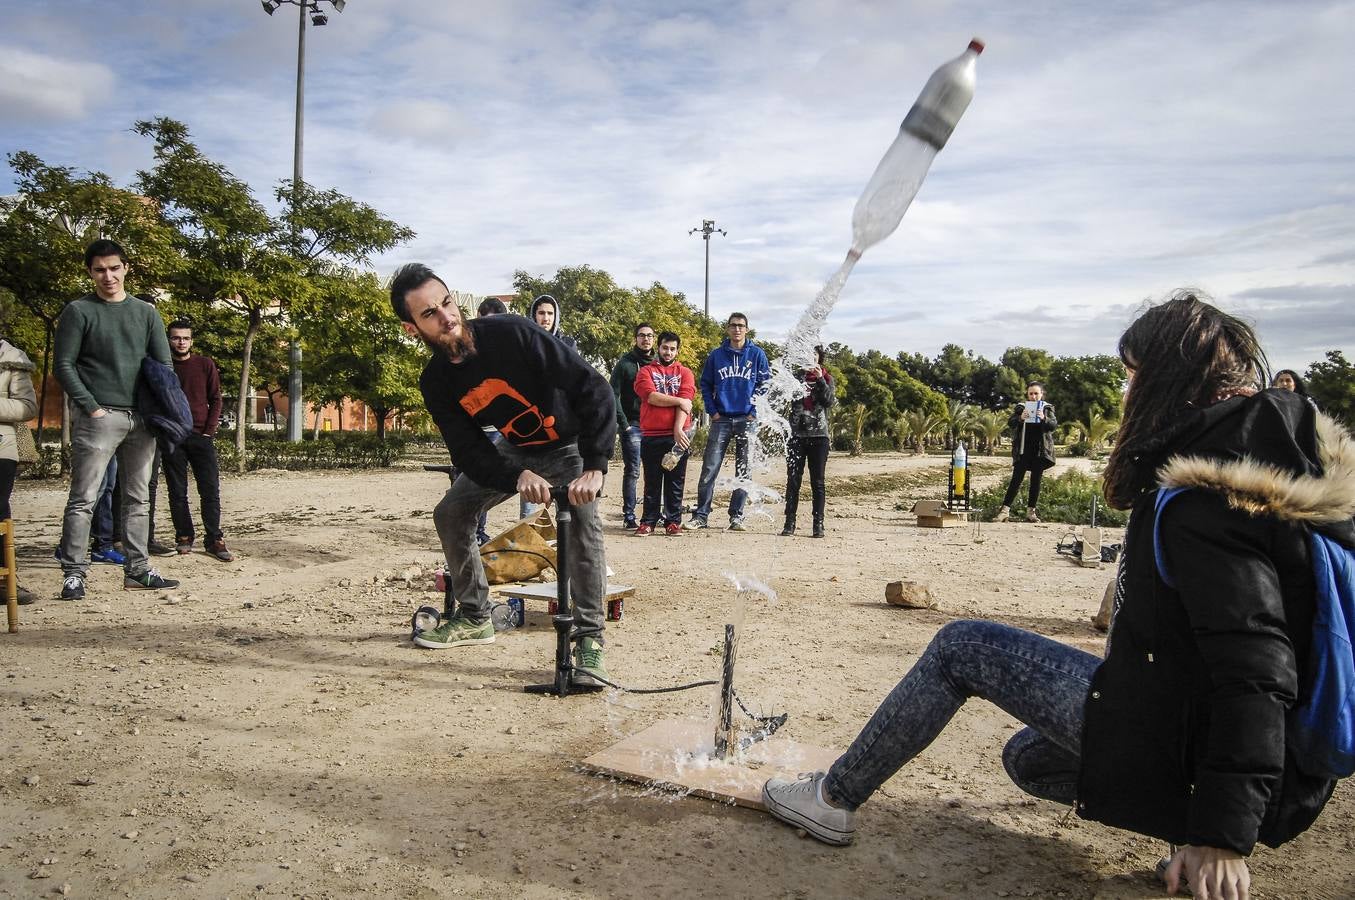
x=630, y=473
x=101, y=530
x=722, y=430
x=94, y=442
x=1038, y=680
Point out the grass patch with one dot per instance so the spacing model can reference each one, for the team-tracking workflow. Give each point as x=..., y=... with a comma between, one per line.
x=1067, y=498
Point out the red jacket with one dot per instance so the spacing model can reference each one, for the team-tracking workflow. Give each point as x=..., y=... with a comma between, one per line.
x=676, y=381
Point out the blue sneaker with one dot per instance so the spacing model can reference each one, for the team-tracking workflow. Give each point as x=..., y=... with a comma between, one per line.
x=108, y=555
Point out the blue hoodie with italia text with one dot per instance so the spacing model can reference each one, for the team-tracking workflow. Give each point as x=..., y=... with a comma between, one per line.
x=731, y=378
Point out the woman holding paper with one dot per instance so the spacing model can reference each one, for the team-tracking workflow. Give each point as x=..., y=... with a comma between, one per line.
x=1032, y=424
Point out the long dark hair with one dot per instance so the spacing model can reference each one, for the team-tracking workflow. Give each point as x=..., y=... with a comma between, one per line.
x=1184, y=354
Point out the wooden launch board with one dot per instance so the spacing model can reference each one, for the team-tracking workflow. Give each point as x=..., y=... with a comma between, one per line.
x=675, y=754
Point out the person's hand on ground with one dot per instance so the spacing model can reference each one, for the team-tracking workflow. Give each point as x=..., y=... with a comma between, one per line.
x=1213, y=873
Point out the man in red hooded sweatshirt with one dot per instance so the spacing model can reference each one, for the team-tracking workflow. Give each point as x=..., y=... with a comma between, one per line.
x=665, y=389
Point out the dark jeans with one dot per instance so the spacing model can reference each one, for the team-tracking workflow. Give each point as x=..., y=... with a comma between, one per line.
x=1038, y=680
x=1019, y=468
x=801, y=450
x=8, y=469
x=101, y=529
x=630, y=470
x=723, y=430
x=662, y=487
x=197, y=451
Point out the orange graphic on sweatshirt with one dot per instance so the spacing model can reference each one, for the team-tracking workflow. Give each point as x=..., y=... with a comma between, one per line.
x=495, y=402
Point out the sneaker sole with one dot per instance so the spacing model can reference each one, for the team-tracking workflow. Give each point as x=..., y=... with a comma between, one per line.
x=136, y=586
x=430, y=644
x=580, y=678
x=816, y=829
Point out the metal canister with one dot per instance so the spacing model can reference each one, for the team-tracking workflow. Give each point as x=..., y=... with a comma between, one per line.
x=552, y=606
x=519, y=609
x=615, y=608
x=440, y=580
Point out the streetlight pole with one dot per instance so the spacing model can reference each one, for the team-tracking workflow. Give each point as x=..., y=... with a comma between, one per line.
x=706, y=230
x=295, y=404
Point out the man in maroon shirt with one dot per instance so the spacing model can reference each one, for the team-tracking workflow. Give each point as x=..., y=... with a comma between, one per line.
x=202, y=386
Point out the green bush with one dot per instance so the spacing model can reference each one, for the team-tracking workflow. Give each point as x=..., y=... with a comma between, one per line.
x=331, y=450
x=1067, y=498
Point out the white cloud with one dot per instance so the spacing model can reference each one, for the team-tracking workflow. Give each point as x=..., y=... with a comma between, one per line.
x=41, y=88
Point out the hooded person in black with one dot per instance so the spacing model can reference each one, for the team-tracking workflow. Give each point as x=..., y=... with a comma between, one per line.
x=556, y=416
x=545, y=311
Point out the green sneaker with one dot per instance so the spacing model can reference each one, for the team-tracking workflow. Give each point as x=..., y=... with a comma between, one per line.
x=456, y=632
x=589, y=670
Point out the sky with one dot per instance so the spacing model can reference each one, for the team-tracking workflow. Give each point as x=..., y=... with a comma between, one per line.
x=1114, y=151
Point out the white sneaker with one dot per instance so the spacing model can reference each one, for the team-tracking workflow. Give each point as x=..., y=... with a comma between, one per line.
x=800, y=803
x=1003, y=514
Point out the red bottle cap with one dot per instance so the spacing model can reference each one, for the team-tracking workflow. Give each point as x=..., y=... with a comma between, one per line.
x=976, y=45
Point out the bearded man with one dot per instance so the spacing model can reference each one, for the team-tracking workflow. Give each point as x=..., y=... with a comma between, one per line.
x=556, y=415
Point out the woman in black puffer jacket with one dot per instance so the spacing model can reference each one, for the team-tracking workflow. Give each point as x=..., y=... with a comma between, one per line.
x=1180, y=732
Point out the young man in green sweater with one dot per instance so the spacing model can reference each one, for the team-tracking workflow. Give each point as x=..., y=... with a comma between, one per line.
x=101, y=339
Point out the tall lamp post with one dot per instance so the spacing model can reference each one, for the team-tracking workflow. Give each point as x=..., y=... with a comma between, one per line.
x=706, y=230
x=295, y=414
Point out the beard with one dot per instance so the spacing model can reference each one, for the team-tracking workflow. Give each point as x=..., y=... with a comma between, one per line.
x=458, y=348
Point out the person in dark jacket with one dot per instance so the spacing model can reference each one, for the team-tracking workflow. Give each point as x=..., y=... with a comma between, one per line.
x=201, y=382
x=628, y=416
x=808, y=443
x=1032, y=424
x=557, y=420
x=1180, y=733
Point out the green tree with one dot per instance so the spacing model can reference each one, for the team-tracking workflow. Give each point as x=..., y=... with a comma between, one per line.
x=953, y=372
x=1078, y=384
x=45, y=228
x=1028, y=363
x=961, y=419
x=359, y=348
x=1096, y=429
x=991, y=426
x=234, y=252
x=1331, y=384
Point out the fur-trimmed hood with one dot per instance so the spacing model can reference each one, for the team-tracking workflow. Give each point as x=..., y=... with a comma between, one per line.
x=1314, y=486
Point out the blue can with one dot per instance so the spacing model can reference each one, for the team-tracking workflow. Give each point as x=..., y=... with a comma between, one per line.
x=519, y=608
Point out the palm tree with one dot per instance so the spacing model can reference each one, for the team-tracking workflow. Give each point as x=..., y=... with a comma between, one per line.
x=919, y=425
x=1097, y=429
x=960, y=418
x=856, y=418
x=991, y=426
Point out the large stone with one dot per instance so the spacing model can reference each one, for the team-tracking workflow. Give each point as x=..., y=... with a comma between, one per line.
x=910, y=595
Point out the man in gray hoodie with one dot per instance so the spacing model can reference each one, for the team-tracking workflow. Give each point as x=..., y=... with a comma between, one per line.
x=546, y=313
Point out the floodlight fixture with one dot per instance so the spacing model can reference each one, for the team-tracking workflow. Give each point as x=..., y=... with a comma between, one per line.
x=269, y=6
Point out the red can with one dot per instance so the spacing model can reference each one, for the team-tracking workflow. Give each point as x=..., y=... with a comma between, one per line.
x=552, y=606
x=614, y=609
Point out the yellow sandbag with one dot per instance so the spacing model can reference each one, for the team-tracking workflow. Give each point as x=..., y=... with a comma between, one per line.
x=522, y=552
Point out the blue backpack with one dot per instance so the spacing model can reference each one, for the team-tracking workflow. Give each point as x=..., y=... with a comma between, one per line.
x=1320, y=728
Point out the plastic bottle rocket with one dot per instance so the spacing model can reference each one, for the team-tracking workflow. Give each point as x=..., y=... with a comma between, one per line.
x=959, y=481
x=924, y=131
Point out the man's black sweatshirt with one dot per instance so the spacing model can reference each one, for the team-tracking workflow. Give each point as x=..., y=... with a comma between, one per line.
x=524, y=382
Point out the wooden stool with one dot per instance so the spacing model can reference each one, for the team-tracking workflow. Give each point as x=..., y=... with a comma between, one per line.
x=11, y=573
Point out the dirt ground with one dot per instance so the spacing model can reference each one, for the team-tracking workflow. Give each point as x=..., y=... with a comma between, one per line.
x=269, y=730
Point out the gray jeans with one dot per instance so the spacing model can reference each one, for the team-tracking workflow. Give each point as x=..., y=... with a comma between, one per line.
x=459, y=510
x=93, y=444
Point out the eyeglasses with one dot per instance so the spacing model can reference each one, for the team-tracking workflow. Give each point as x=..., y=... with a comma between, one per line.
x=645, y=334
x=740, y=325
